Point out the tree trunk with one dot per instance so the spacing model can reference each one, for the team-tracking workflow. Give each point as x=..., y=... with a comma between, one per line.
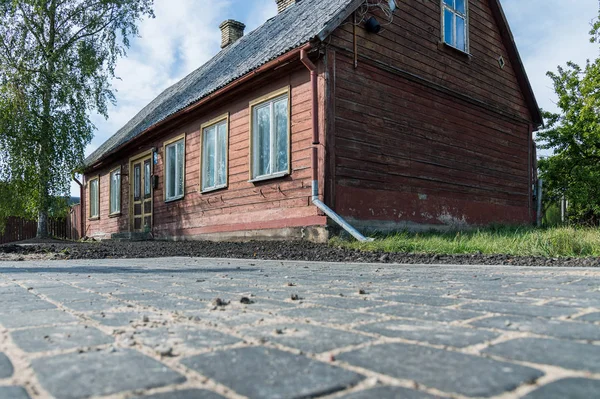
x=42, y=225
x=47, y=126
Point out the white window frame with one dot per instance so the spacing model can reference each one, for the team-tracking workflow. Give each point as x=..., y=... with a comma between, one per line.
x=203, y=159
x=455, y=14
x=110, y=192
x=95, y=200
x=270, y=98
x=168, y=144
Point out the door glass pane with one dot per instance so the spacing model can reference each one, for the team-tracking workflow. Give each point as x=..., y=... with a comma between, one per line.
x=147, y=179
x=460, y=6
x=222, y=154
x=461, y=42
x=281, y=126
x=171, y=154
x=449, y=3
x=137, y=181
x=209, y=157
x=448, y=26
x=262, y=145
x=180, y=171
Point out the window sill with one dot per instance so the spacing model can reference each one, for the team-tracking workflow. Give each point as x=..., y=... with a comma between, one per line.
x=451, y=49
x=94, y=218
x=175, y=199
x=115, y=215
x=212, y=190
x=269, y=177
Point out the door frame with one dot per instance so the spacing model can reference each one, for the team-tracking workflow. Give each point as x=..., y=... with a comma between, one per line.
x=139, y=157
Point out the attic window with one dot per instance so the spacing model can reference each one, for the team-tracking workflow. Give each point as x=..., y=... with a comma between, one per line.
x=455, y=24
x=501, y=62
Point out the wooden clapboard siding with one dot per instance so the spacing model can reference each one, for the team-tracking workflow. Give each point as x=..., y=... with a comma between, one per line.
x=277, y=203
x=422, y=133
x=412, y=42
x=106, y=225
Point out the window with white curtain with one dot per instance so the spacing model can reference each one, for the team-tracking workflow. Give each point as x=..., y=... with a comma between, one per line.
x=115, y=192
x=175, y=170
x=270, y=138
x=94, y=187
x=455, y=24
x=214, y=155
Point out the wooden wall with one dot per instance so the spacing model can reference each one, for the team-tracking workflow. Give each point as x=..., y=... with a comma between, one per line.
x=423, y=133
x=106, y=225
x=243, y=206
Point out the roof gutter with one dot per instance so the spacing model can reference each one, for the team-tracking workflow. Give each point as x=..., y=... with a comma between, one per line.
x=315, y=154
x=289, y=56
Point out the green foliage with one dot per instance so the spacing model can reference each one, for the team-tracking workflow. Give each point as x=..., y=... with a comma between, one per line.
x=516, y=241
x=574, y=136
x=57, y=59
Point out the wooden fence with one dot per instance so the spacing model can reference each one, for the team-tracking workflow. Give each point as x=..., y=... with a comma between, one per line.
x=19, y=229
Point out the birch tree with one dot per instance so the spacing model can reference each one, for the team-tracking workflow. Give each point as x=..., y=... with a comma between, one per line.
x=57, y=61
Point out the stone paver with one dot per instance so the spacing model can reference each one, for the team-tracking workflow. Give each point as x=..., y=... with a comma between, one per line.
x=388, y=393
x=565, y=354
x=433, y=313
x=553, y=328
x=591, y=317
x=6, y=367
x=34, y=319
x=306, y=337
x=433, y=333
x=102, y=373
x=191, y=337
x=572, y=388
x=270, y=373
x=63, y=337
x=152, y=328
x=448, y=371
x=185, y=394
x=12, y=392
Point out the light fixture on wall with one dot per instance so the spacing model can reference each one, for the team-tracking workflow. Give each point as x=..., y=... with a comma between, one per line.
x=372, y=25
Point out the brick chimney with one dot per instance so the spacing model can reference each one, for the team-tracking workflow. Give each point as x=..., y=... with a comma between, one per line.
x=231, y=31
x=283, y=5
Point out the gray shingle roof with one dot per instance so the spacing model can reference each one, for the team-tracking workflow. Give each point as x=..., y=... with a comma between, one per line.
x=299, y=24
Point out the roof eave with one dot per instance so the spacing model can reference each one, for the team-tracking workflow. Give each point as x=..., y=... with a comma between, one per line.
x=286, y=57
x=338, y=20
x=517, y=62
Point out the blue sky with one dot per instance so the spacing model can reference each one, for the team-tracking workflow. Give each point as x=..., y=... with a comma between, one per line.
x=185, y=34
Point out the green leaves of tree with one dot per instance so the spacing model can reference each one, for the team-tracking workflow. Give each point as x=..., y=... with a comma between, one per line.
x=57, y=60
x=574, y=136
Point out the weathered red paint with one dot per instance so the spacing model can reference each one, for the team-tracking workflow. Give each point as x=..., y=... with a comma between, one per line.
x=417, y=133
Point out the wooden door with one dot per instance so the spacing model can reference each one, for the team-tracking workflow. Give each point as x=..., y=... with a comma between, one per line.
x=141, y=192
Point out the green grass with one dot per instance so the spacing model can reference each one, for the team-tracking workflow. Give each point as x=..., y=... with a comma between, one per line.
x=517, y=241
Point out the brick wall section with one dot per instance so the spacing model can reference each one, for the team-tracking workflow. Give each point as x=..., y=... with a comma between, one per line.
x=231, y=31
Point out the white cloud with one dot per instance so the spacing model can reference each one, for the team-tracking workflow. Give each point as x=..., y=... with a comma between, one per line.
x=549, y=33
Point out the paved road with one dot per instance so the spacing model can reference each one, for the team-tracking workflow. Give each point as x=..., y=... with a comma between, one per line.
x=155, y=329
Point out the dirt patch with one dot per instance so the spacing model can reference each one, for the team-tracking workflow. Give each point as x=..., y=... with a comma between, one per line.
x=277, y=250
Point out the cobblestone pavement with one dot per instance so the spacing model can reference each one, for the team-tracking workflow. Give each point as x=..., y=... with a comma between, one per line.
x=155, y=329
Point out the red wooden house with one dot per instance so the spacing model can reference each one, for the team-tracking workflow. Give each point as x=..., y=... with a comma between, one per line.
x=377, y=114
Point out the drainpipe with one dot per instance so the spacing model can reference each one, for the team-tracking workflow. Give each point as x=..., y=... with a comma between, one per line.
x=315, y=151
x=81, y=211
